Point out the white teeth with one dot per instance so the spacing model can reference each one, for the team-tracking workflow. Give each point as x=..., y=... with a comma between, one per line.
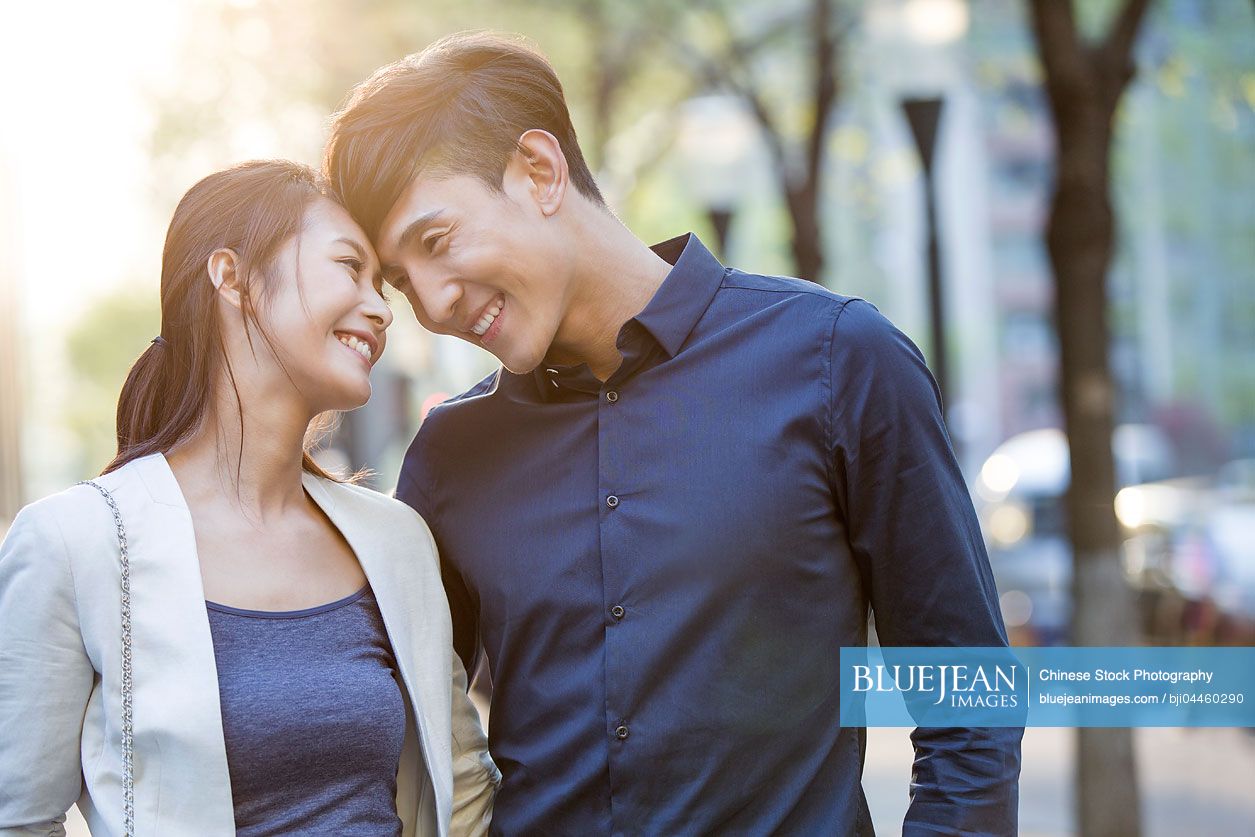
x=359, y=346
x=485, y=322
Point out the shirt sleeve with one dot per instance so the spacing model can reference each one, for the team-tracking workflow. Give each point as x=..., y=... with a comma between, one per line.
x=914, y=534
x=414, y=489
x=46, y=679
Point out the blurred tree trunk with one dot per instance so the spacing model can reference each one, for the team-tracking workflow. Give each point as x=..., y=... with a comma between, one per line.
x=802, y=193
x=1084, y=83
x=798, y=171
x=618, y=41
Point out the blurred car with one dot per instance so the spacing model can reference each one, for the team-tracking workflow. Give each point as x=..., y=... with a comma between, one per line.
x=1019, y=499
x=1192, y=556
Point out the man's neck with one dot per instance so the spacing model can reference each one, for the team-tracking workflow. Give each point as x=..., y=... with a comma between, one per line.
x=615, y=278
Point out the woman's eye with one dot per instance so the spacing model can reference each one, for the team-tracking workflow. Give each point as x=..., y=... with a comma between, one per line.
x=354, y=265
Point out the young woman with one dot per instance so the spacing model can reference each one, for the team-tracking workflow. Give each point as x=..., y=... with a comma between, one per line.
x=215, y=636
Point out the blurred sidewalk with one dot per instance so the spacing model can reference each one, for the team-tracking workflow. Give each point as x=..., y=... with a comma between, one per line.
x=1194, y=781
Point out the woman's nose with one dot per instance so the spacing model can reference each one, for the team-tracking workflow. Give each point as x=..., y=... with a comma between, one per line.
x=377, y=309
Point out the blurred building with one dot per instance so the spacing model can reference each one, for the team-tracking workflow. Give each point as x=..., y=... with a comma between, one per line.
x=1016, y=135
x=1183, y=350
x=1183, y=324
x=11, y=495
x=1182, y=285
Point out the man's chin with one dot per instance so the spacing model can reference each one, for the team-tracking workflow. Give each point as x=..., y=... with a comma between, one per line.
x=519, y=368
x=520, y=363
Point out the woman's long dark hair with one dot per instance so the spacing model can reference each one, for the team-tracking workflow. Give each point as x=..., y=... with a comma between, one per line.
x=251, y=209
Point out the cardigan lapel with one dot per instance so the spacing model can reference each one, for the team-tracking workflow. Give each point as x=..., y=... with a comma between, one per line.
x=175, y=675
x=404, y=577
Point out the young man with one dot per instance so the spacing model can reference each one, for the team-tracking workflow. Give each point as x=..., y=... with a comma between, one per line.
x=677, y=500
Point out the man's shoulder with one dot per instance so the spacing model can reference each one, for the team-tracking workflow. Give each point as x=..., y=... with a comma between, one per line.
x=801, y=306
x=845, y=323
x=476, y=397
x=774, y=290
x=806, y=292
x=452, y=418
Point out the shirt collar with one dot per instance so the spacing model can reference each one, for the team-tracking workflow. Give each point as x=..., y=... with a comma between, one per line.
x=685, y=294
x=669, y=318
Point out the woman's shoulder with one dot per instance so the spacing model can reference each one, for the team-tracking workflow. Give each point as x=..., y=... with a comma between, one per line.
x=75, y=504
x=53, y=535
x=76, y=517
x=374, y=502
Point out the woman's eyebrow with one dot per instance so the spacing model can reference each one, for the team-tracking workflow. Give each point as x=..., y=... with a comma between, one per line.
x=357, y=248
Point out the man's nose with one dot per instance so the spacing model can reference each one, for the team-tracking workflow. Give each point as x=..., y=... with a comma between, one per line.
x=439, y=299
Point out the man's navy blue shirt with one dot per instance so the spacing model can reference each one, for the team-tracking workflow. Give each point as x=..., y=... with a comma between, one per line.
x=661, y=568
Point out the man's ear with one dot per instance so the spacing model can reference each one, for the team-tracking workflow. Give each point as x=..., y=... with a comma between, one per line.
x=540, y=160
x=225, y=276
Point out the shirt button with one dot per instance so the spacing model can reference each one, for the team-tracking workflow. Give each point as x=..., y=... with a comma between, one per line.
x=621, y=732
x=612, y=396
x=617, y=611
x=612, y=501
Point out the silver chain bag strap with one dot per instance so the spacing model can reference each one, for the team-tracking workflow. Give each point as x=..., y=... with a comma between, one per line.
x=128, y=686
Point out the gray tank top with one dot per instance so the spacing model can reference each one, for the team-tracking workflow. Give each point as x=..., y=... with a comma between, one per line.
x=314, y=717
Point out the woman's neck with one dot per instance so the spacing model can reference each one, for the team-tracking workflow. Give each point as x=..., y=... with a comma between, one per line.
x=255, y=471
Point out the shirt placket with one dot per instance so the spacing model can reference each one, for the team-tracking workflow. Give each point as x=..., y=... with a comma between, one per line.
x=615, y=510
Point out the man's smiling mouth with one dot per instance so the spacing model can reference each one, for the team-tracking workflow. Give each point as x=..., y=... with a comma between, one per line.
x=489, y=316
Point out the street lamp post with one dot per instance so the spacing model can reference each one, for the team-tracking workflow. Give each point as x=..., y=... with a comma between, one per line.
x=923, y=115
x=715, y=144
x=919, y=37
x=720, y=221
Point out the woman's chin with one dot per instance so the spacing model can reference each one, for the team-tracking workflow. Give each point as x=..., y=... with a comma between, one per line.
x=349, y=397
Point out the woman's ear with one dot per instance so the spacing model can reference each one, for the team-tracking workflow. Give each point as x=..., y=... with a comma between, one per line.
x=225, y=276
x=539, y=158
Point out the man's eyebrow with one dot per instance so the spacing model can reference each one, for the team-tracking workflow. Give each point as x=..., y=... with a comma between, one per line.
x=417, y=227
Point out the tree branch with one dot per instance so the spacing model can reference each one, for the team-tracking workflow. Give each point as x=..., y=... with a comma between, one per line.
x=1119, y=41
x=1114, y=59
x=825, y=87
x=725, y=72
x=1063, y=56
